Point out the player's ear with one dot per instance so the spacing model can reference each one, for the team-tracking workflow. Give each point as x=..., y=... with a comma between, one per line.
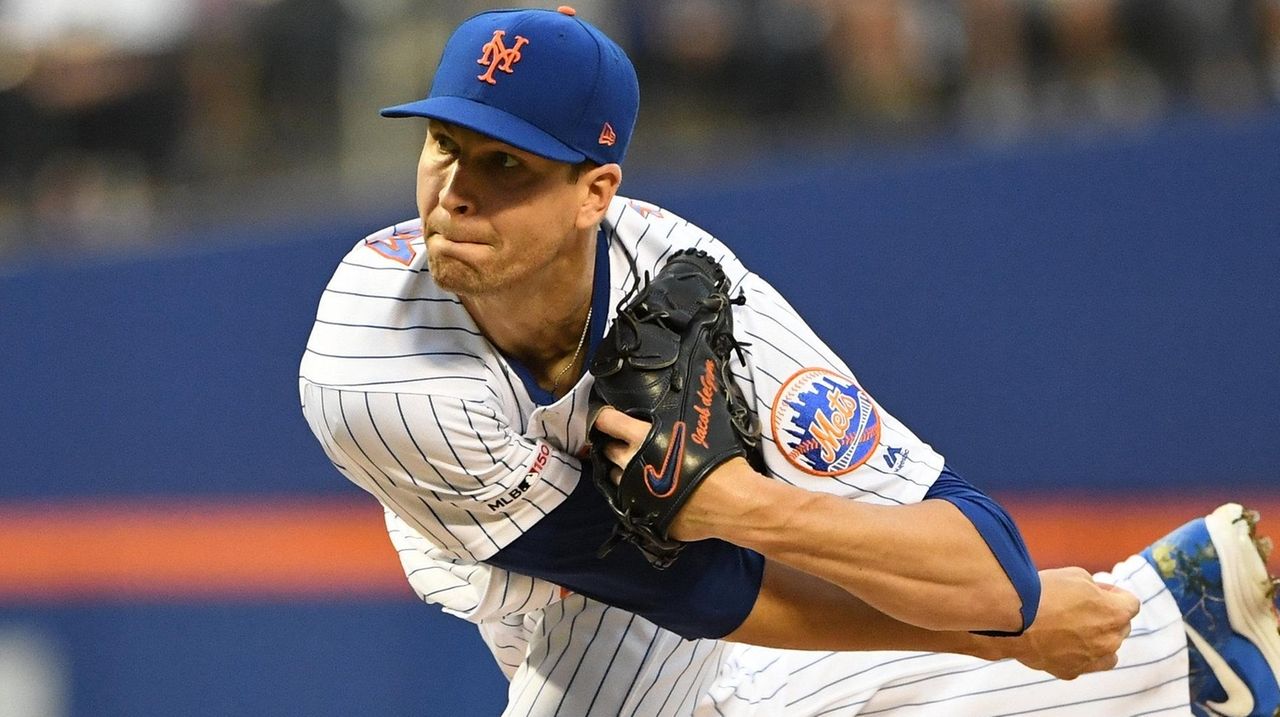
x=599, y=184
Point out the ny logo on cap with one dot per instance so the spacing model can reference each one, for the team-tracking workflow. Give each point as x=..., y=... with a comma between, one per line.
x=497, y=56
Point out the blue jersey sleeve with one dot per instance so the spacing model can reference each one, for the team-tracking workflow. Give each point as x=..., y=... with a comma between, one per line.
x=707, y=593
x=1001, y=535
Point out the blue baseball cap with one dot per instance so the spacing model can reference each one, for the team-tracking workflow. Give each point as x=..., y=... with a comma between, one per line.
x=540, y=80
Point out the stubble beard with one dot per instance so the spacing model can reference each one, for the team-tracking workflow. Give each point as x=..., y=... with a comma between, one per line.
x=456, y=277
x=492, y=277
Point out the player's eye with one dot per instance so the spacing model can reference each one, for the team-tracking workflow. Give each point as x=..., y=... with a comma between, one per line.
x=446, y=145
x=506, y=161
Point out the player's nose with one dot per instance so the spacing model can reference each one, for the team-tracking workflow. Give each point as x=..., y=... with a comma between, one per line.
x=454, y=197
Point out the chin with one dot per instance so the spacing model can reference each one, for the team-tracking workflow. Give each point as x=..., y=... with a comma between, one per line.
x=456, y=277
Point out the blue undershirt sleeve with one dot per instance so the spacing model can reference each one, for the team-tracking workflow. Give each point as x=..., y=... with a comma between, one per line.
x=1001, y=535
x=707, y=593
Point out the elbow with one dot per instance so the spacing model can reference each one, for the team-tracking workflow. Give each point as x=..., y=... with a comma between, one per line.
x=989, y=606
x=1003, y=586
x=979, y=618
x=1006, y=614
x=1000, y=607
x=999, y=603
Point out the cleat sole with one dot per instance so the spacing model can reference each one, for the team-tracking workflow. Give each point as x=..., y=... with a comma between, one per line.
x=1248, y=588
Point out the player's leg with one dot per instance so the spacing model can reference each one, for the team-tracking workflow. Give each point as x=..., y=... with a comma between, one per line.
x=587, y=659
x=1149, y=679
x=1209, y=572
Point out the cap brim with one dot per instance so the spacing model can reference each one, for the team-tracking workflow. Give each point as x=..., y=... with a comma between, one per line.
x=491, y=122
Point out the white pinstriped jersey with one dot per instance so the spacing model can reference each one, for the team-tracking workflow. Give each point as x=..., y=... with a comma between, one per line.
x=415, y=406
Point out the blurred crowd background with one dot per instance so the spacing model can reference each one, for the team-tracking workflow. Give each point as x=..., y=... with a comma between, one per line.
x=126, y=122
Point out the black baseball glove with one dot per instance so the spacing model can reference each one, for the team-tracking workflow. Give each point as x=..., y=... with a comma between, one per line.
x=666, y=361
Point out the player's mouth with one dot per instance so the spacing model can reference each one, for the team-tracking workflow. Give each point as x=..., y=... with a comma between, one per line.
x=453, y=237
x=457, y=247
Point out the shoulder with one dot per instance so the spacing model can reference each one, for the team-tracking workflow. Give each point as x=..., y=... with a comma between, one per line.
x=383, y=325
x=399, y=245
x=633, y=221
x=650, y=234
x=378, y=258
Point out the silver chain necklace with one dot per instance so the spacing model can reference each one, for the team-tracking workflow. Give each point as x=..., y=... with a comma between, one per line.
x=582, y=340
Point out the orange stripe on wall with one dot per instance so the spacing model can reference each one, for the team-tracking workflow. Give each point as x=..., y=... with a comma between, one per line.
x=264, y=547
x=286, y=549
x=1097, y=531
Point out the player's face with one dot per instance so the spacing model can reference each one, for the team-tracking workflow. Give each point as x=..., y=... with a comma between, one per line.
x=495, y=218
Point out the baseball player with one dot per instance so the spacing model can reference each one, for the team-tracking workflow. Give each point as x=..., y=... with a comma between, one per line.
x=444, y=375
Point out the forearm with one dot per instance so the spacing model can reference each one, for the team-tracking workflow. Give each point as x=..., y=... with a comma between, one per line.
x=924, y=564
x=796, y=610
x=1082, y=623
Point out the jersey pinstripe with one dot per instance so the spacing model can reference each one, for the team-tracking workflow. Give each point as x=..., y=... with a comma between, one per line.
x=412, y=404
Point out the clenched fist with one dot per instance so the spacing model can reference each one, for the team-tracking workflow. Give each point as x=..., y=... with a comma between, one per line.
x=1079, y=628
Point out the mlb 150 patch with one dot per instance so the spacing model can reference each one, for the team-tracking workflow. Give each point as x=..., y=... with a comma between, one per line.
x=824, y=423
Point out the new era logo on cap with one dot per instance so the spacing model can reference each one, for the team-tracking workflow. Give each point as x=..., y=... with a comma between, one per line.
x=552, y=85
